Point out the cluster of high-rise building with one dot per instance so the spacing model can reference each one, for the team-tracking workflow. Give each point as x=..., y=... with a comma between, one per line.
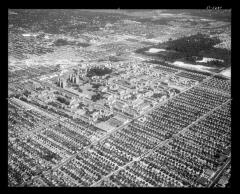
x=61, y=82
x=74, y=77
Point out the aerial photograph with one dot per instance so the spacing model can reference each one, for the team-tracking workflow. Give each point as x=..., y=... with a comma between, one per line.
x=119, y=98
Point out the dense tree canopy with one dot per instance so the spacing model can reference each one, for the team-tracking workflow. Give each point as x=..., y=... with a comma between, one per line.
x=192, y=48
x=98, y=71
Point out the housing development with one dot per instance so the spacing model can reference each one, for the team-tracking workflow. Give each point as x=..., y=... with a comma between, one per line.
x=111, y=98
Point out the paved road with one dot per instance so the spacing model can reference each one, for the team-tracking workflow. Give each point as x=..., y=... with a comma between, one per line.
x=38, y=109
x=149, y=152
x=119, y=128
x=84, y=149
x=103, y=138
x=165, y=141
x=219, y=173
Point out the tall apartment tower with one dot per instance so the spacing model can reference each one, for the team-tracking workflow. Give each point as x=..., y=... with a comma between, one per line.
x=58, y=81
x=77, y=79
x=64, y=83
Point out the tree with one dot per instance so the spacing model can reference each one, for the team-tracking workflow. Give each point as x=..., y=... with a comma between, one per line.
x=96, y=97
